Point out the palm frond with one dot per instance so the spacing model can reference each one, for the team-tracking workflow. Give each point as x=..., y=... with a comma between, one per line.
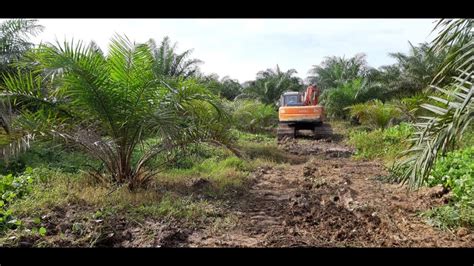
x=440, y=132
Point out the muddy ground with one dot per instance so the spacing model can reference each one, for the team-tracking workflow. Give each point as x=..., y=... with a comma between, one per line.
x=330, y=200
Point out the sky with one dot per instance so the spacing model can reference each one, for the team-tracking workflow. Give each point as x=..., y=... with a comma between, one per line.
x=240, y=48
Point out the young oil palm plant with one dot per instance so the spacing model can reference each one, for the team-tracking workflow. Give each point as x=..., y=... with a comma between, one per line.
x=440, y=132
x=114, y=104
x=375, y=113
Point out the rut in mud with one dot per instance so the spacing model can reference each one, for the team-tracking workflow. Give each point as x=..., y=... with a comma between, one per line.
x=330, y=201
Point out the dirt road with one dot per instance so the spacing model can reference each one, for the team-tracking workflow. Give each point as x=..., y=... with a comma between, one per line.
x=329, y=201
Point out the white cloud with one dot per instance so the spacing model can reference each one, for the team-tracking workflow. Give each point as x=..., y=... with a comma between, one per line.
x=242, y=47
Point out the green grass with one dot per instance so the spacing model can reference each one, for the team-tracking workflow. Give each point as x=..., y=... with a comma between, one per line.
x=245, y=137
x=381, y=144
x=455, y=171
x=264, y=147
x=450, y=216
x=224, y=175
x=60, y=190
x=49, y=154
x=174, y=207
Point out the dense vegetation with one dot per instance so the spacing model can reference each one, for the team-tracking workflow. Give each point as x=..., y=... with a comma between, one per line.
x=77, y=124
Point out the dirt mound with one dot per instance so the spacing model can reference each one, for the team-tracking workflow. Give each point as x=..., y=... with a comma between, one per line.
x=333, y=213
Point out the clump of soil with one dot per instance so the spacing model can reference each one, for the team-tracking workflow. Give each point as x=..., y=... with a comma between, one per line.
x=75, y=225
x=157, y=234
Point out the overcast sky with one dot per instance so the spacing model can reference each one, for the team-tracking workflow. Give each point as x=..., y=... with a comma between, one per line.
x=240, y=48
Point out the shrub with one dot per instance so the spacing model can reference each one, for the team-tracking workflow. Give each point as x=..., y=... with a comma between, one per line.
x=451, y=216
x=349, y=93
x=375, y=114
x=47, y=154
x=456, y=172
x=11, y=189
x=335, y=100
x=385, y=144
x=411, y=106
x=252, y=116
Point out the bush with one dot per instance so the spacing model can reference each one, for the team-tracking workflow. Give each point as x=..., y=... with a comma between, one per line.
x=456, y=172
x=451, y=216
x=47, y=154
x=336, y=99
x=411, y=105
x=188, y=156
x=375, y=114
x=411, y=108
x=11, y=189
x=358, y=90
x=467, y=138
x=252, y=116
x=385, y=144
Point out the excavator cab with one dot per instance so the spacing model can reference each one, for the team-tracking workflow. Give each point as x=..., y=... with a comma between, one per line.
x=291, y=99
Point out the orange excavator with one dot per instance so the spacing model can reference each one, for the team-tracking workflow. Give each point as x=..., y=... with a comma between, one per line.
x=301, y=111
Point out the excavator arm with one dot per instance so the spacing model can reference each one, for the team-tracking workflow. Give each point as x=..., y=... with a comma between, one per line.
x=311, y=95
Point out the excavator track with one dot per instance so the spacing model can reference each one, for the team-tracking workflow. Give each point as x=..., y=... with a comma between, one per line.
x=285, y=131
x=323, y=131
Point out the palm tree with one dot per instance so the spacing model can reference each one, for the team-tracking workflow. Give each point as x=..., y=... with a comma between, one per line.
x=15, y=37
x=226, y=87
x=168, y=63
x=113, y=106
x=270, y=84
x=15, y=41
x=351, y=92
x=456, y=38
x=440, y=132
x=229, y=88
x=414, y=71
x=335, y=71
